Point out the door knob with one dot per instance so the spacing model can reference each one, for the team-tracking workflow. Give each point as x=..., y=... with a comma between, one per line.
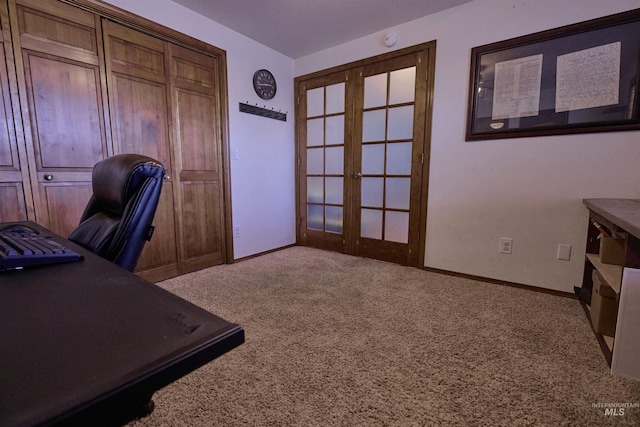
x=356, y=175
x=167, y=178
x=48, y=177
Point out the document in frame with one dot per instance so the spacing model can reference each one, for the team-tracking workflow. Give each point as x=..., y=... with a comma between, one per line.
x=516, y=91
x=588, y=78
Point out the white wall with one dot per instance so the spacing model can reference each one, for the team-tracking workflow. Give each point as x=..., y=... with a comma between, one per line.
x=263, y=175
x=528, y=189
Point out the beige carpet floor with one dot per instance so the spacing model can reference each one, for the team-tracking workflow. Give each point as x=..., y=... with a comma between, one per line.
x=336, y=340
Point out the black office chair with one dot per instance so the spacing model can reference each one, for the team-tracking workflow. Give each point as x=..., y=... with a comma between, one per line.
x=117, y=220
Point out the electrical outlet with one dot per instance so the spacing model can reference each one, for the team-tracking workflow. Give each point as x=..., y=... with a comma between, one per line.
x=505, y=245
x=236, y=231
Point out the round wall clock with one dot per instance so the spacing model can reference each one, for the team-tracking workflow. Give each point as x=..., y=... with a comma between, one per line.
x=264, y=84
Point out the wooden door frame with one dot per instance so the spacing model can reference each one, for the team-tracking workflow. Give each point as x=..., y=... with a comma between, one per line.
x=430, y=48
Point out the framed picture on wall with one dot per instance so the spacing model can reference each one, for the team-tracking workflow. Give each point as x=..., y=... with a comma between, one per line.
x=573, y=79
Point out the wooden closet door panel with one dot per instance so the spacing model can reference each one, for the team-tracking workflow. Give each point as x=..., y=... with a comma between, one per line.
x=196, y=126
x=12, y=194
x=15, y=189
x=200, y=181
x=67, y=135
x=63, y=94
x=8, y=148
x=68, y=201
x=11, y=201
x=158, y=260
x=140, y=117
x=201, y=218
x=58, y=29
x=140, y=124
x=65, y=107
x=193, y=70
x=135, y=54
x=198, y=148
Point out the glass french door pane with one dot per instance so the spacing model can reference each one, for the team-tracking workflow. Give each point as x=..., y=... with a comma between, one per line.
x=315, y=189
x=371, y=223
x=325, y=158
x=396, y=226
x=335, y=130
x=334, y=219
x=315, y=132
x=334, y=190
x=398, y=193
x=315, y=161
x=400, y=123
x=402, y=85
x=399, y=158
x=375, y=91
x=373, y=125
x=314, y=217
x=335, y=98
x=315, y=102
x=373, y=159
x=335, y=160
x=372, y=192
x=387, y=163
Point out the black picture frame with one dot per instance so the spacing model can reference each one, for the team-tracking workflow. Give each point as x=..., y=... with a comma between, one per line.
x=574, y=79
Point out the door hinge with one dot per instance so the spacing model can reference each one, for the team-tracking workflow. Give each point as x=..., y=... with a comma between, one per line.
x=299, y=160
x=422, y=159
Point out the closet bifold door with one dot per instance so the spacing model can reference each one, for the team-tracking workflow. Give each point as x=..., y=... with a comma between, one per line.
x=196, y=106
x=82, y=83
x=15, y=188
x=140, y=123
x=59, y=66
x=165, y=103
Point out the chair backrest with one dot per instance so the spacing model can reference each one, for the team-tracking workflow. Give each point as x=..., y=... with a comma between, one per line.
x=117, y=220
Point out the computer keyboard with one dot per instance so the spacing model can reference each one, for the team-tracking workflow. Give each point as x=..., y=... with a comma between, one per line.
x=21, y=246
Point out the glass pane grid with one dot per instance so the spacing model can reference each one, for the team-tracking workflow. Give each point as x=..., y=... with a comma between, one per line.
x=402, y=85
x=326, y=217
x=387, y=155
x=315, y=102
x=334, y=96
x=325, y=159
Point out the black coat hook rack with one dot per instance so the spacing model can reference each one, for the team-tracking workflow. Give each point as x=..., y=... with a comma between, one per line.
x=263, y=111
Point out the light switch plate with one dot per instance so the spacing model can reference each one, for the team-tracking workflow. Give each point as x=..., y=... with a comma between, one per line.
x=564, y=252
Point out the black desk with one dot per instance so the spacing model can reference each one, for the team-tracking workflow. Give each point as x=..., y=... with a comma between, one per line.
x=88, y=343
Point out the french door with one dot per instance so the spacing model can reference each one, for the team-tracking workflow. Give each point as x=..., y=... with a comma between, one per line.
x=363, y=156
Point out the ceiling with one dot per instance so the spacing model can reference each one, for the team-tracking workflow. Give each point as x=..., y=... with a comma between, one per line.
x=297, y=28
